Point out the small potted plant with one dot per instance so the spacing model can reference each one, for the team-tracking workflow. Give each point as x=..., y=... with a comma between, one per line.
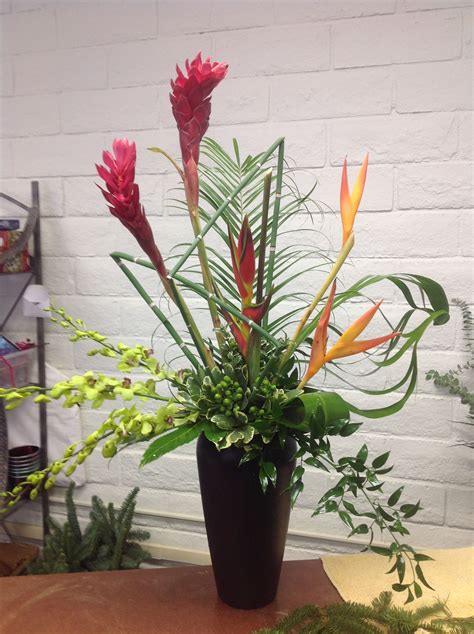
x=254, y=394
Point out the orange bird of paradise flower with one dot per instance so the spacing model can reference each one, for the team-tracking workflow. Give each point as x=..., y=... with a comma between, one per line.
x=350, y=201
x=346, y=345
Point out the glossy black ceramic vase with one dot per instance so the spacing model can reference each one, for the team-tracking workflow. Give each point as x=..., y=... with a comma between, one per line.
x=246, y=528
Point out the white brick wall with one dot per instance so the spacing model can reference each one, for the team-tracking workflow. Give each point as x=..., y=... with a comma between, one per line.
x=336, y=77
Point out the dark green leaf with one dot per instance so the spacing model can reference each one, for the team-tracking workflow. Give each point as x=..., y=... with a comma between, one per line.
x=409, y=510
x=362, y=529
x=297, y=474
x=270, y=471
x=401, y=568
x=314, y=462
x=350, y=507
x=263, y=479
x=346, y=518
x=295, y=490
x=380, y=460
x=375, y=487
x=421, y=576
x=385, y=515
x=379, y=550
x=421, y=557
x=330, y=506
x=384, y=471
x=362, y=454
x=393, y=499
x=399, y=587
x=248, y=456
x=349, y=429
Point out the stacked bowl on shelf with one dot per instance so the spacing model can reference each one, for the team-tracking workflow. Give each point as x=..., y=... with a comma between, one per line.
x=22, y=461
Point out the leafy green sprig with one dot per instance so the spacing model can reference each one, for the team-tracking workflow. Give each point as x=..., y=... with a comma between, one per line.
x=355, y=498
x=128, y=357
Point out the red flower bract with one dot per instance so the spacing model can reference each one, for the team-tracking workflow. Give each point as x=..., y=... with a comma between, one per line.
x=123, y=196
x=191, y=102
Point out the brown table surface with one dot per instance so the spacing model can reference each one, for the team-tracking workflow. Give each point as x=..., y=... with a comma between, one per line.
x=151, y=601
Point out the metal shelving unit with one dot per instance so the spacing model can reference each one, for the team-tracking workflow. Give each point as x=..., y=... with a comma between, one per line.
x=35, y=276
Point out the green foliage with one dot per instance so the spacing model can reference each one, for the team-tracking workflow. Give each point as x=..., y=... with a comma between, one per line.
x=381, y=617
x=358, y=499
x=452, y=381
x=107, y=543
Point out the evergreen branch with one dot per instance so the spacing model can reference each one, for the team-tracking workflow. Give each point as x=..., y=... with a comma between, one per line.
x=104, y=545
x=380, y=617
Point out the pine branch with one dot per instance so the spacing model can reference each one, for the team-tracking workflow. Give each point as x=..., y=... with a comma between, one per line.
x=72, y=513
x=381, y=617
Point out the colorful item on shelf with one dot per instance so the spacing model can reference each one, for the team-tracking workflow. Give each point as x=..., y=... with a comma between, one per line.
x=19, y=263
x=15, y=369
x=7, y=346
x=8, y=224
x=25, y=345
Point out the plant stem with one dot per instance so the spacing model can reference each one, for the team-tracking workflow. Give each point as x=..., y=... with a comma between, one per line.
x=158, y=150
x=104, y=344
x=205, y=270
x=202, y=292
x=117, y=257
x=267, y=183
x=255, y=340
x=275, y=220
x=193, y=329
x=300, y=334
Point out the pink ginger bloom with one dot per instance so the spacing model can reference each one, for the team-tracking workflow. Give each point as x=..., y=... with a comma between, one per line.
x=191, y=104
x=123, y=196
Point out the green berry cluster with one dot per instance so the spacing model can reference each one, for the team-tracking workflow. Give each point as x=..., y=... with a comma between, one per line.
x=225, y=397
x=267, y=389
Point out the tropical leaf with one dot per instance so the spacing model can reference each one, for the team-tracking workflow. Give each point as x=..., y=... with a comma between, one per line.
x=171, y=440
x=314, y=411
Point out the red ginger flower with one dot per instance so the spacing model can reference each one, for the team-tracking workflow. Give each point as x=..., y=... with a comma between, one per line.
x=123, y=196
x=191, y=104
x=191, y=101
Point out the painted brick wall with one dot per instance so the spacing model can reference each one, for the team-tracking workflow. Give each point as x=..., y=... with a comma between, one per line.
x=335, y=77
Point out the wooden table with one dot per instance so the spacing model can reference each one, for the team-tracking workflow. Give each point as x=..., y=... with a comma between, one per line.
x=180, y=600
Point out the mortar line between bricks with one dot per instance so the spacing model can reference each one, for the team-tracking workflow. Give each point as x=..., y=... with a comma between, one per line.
x=259, y=28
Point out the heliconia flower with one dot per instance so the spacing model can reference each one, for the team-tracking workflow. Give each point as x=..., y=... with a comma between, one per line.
x=191, y=104
x=123, y=197
x=241, y=329
x=350, y=202
x=243, y=265
x=346, y=345
x=318, y=349
x=243, y=261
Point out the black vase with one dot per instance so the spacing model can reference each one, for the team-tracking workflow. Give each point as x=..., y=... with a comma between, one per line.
x=246, y=528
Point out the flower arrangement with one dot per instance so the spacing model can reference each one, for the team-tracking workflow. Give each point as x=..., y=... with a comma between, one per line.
x=249, y=384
